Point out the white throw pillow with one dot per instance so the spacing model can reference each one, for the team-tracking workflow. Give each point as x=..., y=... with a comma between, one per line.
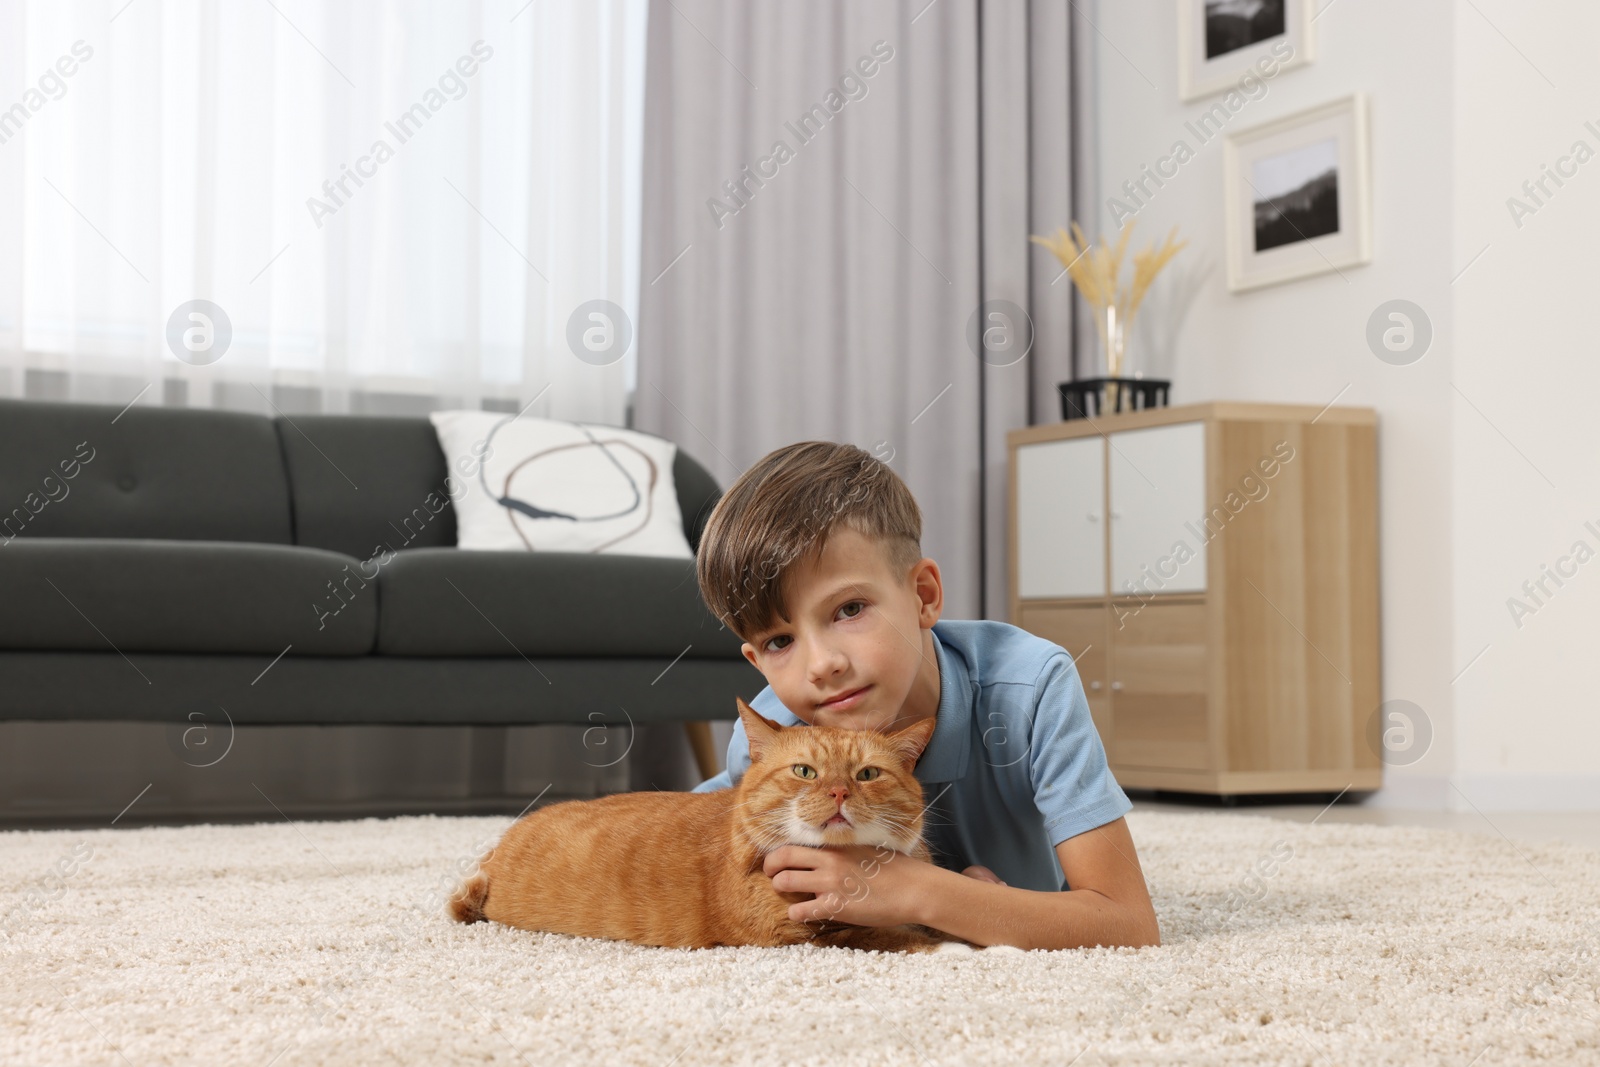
x=614, y=485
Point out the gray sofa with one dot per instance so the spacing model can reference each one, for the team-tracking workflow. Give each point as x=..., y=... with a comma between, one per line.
x=163, y=564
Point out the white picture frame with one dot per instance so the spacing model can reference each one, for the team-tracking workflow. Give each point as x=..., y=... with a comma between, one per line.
x=1203, y=74
x=1298, y=197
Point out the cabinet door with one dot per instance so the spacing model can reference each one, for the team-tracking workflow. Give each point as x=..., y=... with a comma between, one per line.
x=1158, y=687
x=1060, y=519
x=1083, y=632
x=1158, y=481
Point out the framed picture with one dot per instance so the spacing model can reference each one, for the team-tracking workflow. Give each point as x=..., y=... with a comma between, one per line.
x=1219, y=41
x=1298, y=195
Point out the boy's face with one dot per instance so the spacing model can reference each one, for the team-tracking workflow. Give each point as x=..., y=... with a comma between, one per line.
x=854, y=624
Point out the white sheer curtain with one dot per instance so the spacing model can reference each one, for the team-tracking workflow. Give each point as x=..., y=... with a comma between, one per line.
x=387, y=201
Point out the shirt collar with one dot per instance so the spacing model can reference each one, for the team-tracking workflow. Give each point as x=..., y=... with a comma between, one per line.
x=950, y=749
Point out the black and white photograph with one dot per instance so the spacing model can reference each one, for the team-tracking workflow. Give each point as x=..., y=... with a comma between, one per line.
x=1235, y=24
x=1225, y=43
x=1297, y=195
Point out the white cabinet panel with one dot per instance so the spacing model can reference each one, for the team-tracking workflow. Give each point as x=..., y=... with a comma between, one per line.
x=1158, y=500
x=1060, y=519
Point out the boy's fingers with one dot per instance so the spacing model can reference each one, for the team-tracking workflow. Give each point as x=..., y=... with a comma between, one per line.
x=788, y=856
x=778, y=859
x=982, y=874
x=793, y=881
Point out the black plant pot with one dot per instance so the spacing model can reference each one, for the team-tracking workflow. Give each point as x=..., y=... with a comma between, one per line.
x=1087, y=397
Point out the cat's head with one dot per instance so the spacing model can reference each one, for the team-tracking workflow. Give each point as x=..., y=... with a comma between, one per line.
x=801, y=779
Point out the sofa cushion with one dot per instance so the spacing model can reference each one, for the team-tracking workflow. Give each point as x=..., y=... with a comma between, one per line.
x=551, y=485
x=449, y=602
x=95, y=470
x=366, y=483
x=184, y=596
x=698, y=493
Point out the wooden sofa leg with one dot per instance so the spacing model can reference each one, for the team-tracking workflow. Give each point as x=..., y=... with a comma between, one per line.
x=705, y=750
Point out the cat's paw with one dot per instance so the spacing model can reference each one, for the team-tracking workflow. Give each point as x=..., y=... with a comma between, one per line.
x=1006, y=950
x=960, y=947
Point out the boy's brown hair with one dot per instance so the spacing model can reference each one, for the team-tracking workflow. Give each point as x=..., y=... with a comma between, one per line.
x=782, y=509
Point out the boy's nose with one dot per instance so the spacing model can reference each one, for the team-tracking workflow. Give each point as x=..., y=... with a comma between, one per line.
x=825, y=663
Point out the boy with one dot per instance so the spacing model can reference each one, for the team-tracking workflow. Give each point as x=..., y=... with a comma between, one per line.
x=814, y=558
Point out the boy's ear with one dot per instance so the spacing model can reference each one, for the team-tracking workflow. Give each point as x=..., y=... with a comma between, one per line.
x=910, y=742
x=759, y=730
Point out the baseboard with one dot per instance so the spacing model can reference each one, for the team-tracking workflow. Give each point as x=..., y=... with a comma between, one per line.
x=1412, y=792
x=1528, y=792
x=1488, y=792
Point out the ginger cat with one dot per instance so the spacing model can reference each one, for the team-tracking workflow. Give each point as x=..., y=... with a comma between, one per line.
x=684, y=870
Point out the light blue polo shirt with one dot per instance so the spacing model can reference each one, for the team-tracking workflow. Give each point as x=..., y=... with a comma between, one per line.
x=1015, y=764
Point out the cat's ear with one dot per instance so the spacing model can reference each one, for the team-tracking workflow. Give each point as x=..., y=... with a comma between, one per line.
x=909, y=743
x=758, y=729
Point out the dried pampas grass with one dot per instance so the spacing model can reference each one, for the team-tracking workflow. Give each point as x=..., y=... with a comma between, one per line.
x=1096, y=269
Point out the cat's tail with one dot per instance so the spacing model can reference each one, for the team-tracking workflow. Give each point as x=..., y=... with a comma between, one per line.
x=466, y=906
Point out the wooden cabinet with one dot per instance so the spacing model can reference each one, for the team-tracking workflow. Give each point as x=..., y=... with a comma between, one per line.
x=1157, y=487
x=1213, y=570
x=1062, y=523
x=1159, y=688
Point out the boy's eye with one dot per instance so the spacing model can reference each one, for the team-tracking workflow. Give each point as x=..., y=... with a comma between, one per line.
x=867, y=774
x=858, y=605
x=803, y=771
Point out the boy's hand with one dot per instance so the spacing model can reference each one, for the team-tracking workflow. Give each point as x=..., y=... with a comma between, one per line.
x=866, y=885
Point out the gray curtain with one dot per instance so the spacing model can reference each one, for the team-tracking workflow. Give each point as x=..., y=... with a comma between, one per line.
x=827, y=289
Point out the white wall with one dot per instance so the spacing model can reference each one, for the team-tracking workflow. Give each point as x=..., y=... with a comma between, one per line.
x=1458, y=120
x=1525, y=479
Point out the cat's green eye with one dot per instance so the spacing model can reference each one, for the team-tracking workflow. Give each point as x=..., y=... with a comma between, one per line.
x=867, y=774
x=804, y=771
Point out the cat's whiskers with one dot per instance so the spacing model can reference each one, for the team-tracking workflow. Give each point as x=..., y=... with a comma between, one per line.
x=901, y=830
x=765, y=830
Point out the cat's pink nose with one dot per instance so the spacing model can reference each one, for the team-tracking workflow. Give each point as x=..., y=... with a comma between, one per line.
x=839, y=792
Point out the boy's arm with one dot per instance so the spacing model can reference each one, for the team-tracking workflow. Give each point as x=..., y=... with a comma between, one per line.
x=1108, y=904
x=716, y=781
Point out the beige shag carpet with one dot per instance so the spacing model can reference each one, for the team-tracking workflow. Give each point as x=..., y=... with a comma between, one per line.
x=282, y=944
